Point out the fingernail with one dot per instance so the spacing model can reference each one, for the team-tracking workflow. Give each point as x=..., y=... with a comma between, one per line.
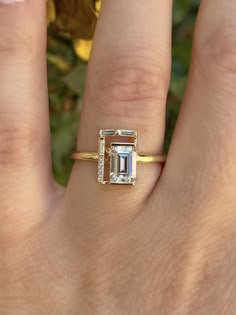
x=10, y=1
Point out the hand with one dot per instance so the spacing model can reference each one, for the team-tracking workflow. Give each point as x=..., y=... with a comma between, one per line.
x=165, y=246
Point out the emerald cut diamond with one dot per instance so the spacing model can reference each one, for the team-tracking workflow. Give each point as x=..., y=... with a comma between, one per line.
x=122, y=163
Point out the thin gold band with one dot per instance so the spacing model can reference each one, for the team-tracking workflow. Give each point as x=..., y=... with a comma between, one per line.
x=141, y=157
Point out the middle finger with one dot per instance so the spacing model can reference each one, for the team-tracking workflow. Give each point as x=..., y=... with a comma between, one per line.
x=127, y=84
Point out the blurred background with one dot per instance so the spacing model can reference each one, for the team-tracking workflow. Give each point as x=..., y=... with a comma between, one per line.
x=71, y=25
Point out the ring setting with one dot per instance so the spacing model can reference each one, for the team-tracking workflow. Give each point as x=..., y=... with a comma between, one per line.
x=117, y=157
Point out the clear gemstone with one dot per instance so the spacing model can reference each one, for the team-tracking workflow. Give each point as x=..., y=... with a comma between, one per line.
x=122, y=164
x=113, y=132
x=101, y=169
x=101, y=147
x=109, y=132
x=127, y=133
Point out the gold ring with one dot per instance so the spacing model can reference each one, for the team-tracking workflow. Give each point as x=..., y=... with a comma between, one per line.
x=117, y=160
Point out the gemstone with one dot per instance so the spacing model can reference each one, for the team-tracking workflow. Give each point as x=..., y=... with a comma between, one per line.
x=130, y=133
x=101, y=169
x=101, y=147
x=122, y=164
x=108, y=132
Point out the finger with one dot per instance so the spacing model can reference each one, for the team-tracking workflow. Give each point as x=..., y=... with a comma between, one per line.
x=24, y=127
x=127, y=84
x=204, y=144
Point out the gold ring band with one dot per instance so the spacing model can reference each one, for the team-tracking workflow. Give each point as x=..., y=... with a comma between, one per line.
x=141, y=157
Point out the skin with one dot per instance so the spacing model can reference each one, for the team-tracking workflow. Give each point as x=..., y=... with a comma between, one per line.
x=166, y=246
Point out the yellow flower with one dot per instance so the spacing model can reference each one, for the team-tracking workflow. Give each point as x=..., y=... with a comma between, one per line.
x=51, y=11
x=98, y=5
x=83, y=48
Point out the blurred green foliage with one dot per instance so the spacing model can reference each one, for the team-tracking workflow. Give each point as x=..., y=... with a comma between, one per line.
x=66, y=78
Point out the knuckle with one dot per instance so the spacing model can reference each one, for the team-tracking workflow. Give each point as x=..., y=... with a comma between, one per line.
x=133, y=84
x=217, y=52
x=130, y=83
x=18, y=144
x=15, y=42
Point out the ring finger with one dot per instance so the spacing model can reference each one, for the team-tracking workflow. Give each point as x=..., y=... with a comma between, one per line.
x=127, y=84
